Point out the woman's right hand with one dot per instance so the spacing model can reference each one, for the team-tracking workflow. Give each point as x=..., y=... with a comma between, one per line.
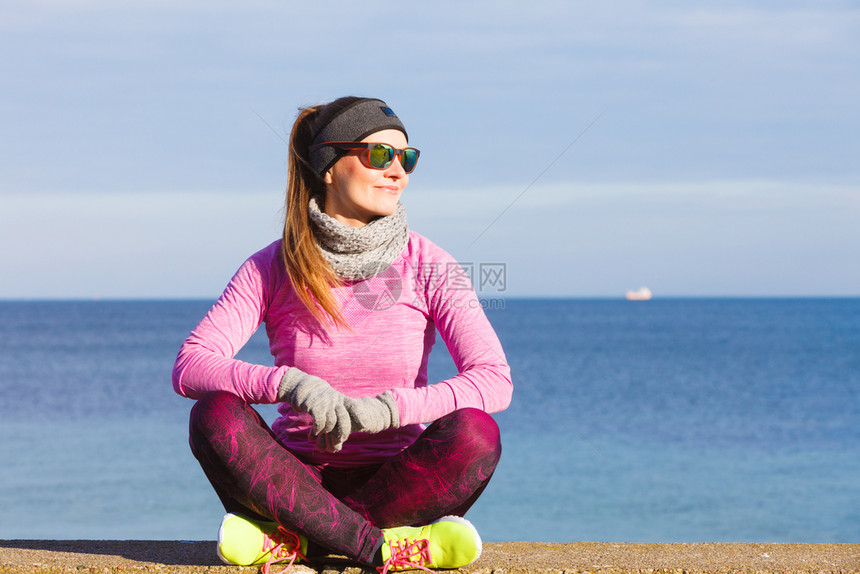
x=310, y=394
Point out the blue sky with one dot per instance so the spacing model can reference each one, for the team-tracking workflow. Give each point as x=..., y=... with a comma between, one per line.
x=698, y=148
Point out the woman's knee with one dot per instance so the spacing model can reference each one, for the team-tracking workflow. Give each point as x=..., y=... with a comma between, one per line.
x=214, y=407
x=477, y=431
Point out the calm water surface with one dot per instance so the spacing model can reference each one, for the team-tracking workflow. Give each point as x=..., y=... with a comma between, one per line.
x=666, y=421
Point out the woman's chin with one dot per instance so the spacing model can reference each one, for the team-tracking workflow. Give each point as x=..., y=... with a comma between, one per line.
x=387, y=208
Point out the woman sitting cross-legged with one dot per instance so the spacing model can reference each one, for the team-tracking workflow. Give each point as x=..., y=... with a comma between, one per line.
x=367, y=460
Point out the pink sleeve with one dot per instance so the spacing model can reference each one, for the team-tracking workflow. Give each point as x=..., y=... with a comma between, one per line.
x=484, y=377
x=205, y=361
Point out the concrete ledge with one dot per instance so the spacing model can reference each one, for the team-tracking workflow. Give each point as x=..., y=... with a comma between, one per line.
x=168, y=557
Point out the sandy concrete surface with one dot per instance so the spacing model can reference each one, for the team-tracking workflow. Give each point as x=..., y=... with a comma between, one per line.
x=118, y=557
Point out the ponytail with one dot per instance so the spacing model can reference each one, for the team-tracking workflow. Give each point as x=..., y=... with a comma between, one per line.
x=312, y=277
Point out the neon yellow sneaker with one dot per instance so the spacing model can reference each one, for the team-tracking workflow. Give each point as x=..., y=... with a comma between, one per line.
x=243, y=542
x=450, y=542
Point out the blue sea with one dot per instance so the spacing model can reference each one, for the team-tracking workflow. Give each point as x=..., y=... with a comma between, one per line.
x=677, y=420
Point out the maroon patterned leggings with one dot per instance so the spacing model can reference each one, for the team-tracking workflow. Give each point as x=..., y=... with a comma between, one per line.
x=342, y=510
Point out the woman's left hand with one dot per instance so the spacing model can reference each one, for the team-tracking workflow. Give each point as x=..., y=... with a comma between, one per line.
x=373, y=414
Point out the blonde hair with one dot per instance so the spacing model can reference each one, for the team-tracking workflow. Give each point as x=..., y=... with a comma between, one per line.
x=312, y=277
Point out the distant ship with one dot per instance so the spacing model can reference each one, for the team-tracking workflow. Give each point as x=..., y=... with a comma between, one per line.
x=641, y=294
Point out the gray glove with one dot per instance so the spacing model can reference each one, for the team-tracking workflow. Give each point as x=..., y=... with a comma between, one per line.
x=309, y=394
x=373, y=414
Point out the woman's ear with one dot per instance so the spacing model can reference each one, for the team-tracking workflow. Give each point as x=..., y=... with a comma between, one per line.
x=327, y=177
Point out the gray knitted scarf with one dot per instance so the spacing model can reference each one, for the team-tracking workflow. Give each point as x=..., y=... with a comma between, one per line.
x=360, y=252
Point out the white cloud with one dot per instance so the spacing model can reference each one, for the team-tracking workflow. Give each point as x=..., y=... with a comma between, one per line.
x=160, y=244
x=712, y=238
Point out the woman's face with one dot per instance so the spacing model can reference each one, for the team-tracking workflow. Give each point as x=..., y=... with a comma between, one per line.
x=356, y=193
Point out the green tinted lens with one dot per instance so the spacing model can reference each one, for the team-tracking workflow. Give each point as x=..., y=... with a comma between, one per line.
x=408, y=159
x=381, y=156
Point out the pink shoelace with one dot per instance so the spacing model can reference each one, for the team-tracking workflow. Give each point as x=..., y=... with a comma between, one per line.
x=282, y=545
x=408, y=554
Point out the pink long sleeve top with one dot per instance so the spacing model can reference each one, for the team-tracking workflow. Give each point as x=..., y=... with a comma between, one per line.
x=393, y=319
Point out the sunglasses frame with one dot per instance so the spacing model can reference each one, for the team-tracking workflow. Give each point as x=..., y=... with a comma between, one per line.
x=398, y=153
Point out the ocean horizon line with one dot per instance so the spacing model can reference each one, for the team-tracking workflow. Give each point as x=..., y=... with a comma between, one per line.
x=613, y=298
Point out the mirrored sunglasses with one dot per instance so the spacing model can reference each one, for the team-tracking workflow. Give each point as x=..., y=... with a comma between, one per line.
x=379, y=155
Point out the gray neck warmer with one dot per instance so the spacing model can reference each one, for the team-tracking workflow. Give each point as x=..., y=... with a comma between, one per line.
x=357, y=253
